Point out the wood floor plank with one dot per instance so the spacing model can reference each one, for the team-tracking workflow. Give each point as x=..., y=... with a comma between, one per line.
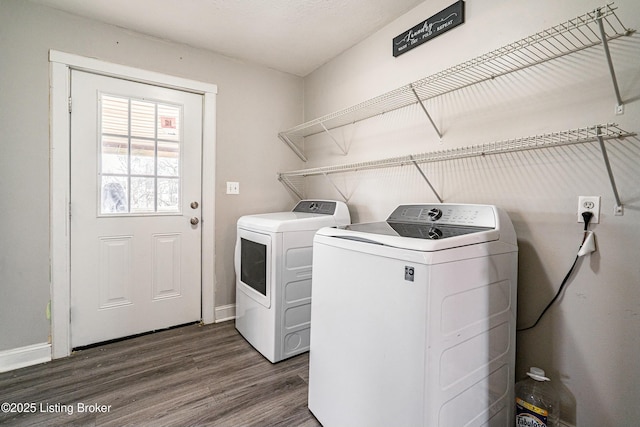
x=188, y=376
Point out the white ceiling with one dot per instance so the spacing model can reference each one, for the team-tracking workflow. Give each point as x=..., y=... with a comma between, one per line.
x=295, y=36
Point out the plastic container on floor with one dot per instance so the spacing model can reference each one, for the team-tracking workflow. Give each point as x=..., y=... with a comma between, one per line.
x=537, y=402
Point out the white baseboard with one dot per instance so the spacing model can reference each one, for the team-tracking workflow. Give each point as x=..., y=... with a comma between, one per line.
x=21, y=357
x=225, y=312
x=24, y=356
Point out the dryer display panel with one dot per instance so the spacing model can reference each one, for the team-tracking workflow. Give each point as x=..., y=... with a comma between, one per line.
x=253, y=265
x=316, y=206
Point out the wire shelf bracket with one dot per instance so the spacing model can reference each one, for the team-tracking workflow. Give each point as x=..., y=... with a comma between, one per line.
x=600, y=26
x=607, y=54
x=299, y=150
x=419, y=101
x=619, y=209
x=424, y=176
x=284, y=179
x=344, y=148
x=345, y=198
x=599, y=133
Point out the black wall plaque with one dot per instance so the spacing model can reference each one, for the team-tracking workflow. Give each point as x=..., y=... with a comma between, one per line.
x=432, y=27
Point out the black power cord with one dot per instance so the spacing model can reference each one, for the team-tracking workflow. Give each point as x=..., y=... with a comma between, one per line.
x=587, y=218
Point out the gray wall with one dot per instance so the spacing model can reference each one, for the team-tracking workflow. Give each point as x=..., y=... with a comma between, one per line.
x=589, y=342
x=253, y=104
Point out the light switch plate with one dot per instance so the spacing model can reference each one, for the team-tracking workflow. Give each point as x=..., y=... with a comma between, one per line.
x=233, y=187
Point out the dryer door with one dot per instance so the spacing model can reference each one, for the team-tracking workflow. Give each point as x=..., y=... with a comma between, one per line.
x=253, y=265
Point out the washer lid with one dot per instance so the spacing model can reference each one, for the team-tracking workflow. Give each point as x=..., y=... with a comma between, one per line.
x=427, y=227
x=419, y=238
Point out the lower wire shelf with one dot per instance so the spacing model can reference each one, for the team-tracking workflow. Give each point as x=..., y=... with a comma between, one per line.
x=593, y=133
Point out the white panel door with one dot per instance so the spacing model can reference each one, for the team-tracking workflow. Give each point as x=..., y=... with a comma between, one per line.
x=135, y=208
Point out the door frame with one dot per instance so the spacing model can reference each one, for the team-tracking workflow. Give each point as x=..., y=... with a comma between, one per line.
x=60, y=66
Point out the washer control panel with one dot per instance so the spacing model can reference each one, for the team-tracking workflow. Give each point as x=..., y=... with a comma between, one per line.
x=444, y=214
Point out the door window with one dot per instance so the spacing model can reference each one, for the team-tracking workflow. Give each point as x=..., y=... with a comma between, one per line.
x=139, y=166
x=253, y=265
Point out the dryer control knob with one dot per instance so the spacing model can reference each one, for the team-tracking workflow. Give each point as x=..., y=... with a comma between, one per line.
x=434, y=214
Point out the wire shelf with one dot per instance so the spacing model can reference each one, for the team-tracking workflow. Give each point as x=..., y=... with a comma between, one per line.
x=555, y=139
x=575, y=35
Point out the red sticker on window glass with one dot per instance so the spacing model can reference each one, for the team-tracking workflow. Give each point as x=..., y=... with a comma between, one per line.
x=168, y=122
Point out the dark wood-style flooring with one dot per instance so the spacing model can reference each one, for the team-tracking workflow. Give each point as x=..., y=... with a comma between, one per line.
x=188, y=376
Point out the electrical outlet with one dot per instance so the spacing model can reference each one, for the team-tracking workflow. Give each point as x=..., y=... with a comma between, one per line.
x=589, y=204
x=233, y=187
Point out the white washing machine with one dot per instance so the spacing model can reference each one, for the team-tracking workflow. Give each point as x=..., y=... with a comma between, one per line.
x=414, y=319
x=273, y=259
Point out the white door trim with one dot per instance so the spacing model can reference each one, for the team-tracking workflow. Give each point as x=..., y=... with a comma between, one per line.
x=60, y=145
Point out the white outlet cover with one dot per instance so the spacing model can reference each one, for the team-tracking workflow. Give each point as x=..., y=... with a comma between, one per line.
x=590, y=204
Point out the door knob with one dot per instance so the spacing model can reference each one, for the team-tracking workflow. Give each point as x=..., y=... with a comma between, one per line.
x=194, y=221
x=194, y=205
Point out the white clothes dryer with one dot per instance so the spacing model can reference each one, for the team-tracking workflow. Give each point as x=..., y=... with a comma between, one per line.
x=414, y=319
x=273, y=258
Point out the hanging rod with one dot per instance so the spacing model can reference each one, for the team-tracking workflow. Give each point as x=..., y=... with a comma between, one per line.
x=575, y=35
x=598, y=133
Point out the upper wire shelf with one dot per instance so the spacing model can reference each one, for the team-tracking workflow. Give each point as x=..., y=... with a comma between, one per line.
x=580, y=33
